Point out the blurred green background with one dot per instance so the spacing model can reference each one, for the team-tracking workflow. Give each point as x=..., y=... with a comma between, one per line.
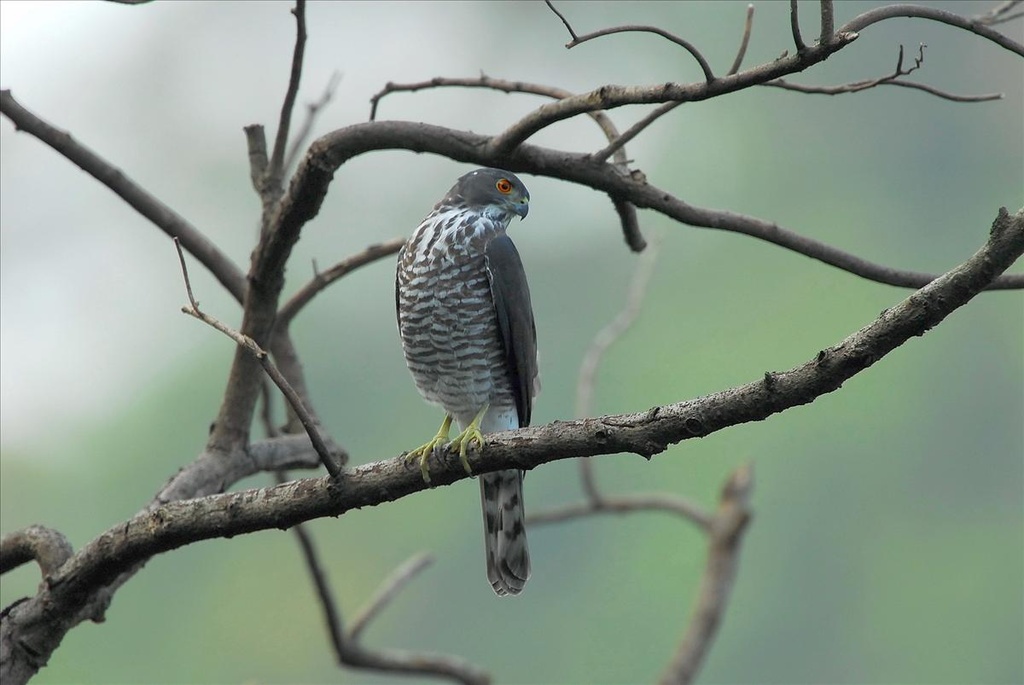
x=887, y=540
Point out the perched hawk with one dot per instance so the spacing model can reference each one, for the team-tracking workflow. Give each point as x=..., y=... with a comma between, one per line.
x=468, y=334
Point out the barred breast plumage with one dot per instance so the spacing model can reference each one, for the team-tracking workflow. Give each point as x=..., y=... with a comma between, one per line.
x=468, y=336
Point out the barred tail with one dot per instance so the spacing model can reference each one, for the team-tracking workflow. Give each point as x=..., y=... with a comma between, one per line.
x=508, y=559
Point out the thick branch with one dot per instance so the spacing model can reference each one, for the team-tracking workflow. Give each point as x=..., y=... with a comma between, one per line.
x=40, y=623
x=310, y=184
x=862, y=21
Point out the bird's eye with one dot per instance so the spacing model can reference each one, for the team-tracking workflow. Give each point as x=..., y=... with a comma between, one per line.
x=504, y=186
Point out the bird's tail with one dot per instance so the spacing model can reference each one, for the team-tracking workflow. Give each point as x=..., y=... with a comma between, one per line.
x=508, y=558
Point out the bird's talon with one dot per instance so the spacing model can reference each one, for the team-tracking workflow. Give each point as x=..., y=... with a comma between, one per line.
x=423, y=452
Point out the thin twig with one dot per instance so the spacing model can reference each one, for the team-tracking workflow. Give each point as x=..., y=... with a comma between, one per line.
x=633, y=131
x=276, y=169
x=859, y=86
x=505, y=86
x=564, y=20
x=323, y=279
x=887, y=80
x=623, y=504
x=636, y=293
x=709, y=76
x=1000, y=13
x=726, y=531
x=308, y=422
x=387, y=591
x=794, y=25
x=748, y=26
x=312, y=111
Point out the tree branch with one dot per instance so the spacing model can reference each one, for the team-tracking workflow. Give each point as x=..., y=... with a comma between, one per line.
x=162, y=216
x=794, y=26
x=347, y=647
x=681, y=42
x=312, y=111
x=888, y=80
x=311, y=424
x=748, y=27
x=47, y=547
x=323, y=279
x=309, y=187
x=276, y=168
x=726, y=532
x=32, y=629
x=862, y=21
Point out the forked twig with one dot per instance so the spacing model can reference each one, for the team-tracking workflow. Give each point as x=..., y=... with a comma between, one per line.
x=323, y=279
x=311, y=425
x=887, y=80
x=387, y=591
x=312, y=111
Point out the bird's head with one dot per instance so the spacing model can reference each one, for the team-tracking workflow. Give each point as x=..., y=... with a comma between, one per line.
x=493, y=191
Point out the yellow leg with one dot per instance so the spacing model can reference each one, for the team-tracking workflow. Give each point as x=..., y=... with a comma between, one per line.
x=424, y=451
x=471, y=434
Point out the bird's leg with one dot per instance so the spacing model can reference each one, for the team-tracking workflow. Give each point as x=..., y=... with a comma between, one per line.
x=470, y=434
x=424, y=451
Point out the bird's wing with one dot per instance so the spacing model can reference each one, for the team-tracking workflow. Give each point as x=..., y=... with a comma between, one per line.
x=511, y=296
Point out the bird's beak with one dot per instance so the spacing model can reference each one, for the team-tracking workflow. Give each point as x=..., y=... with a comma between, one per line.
x=521, y=207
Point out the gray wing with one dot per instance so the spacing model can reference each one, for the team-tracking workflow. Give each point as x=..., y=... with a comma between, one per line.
x=511, y=296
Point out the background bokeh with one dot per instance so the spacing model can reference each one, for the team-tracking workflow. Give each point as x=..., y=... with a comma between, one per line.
x=887, y=541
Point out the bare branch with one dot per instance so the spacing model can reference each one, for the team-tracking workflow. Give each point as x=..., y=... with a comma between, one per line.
x=387, y=591
x=323, y=279
x=331, y=151
x=616, y=328
x=43, y=620
x=794, y=25
x=256, y=142
x=165, y=218
x=311, y=425
x=862, y=21
x=47, y=547
x=1001, y=13
x=726, y=531
x=609, y=96
x=596, y=502
x=633, y=131
x=748, y=27
x=484, y=81
x=276, y=168
x=312, y=111
x=564, y=20
x=681, y=42
x=623, y=504
x=888, y=80
x=828, y=22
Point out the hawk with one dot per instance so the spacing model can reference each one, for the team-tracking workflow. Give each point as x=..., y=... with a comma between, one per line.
x=467, y=329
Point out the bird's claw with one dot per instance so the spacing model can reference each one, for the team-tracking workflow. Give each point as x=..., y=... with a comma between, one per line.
x=423, y=452
x=462, y=442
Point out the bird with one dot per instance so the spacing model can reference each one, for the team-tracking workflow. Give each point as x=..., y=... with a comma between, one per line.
x=470, y=341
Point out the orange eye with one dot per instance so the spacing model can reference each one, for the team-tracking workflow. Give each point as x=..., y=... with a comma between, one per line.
x=504, y=186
